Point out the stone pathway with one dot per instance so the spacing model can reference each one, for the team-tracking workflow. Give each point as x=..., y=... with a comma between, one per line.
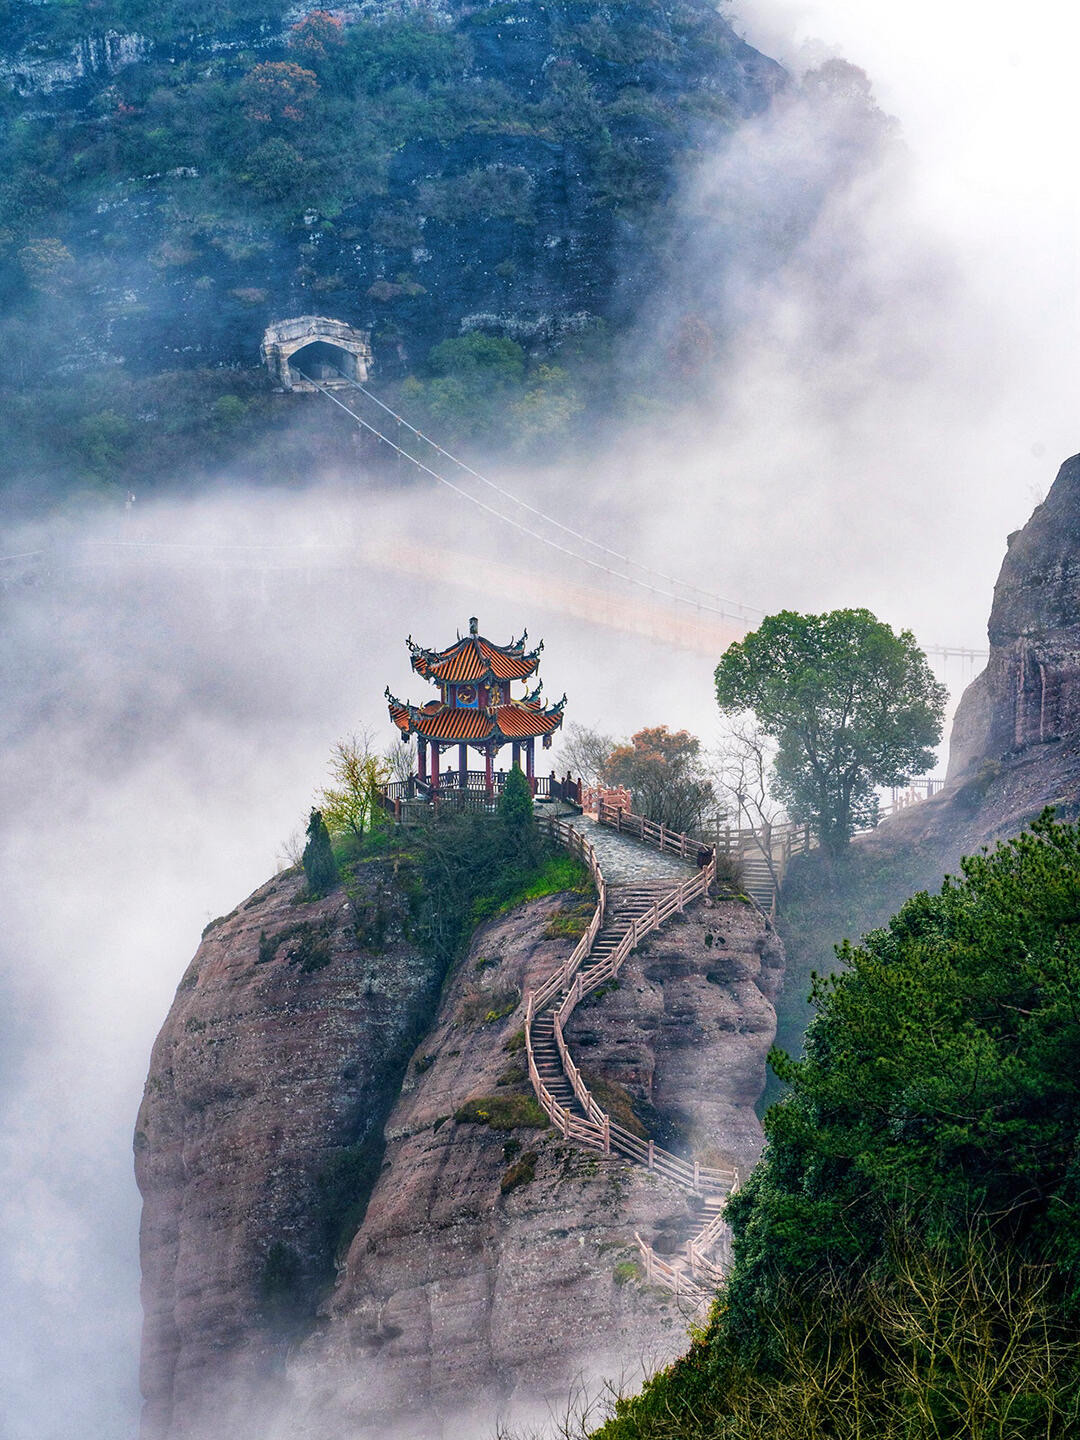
x=625, y=861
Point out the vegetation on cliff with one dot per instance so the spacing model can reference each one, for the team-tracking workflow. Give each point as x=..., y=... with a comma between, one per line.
x=904, y=1258
x=207, y=169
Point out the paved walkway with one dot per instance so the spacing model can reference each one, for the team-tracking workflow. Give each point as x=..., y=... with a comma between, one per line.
x=625, y=861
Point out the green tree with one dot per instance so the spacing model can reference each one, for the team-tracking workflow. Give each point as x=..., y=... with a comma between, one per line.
x=665, y=772
x=515, y=802
x=351, y=805
x=851, y=705
x=320, y=867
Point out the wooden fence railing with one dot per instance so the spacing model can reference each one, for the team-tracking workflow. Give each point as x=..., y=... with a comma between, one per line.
x=596, y=1129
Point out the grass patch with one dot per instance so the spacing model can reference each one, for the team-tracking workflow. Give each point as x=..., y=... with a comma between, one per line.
x=601, y=990
x=502, y=1112
x=516, y=1043
x=485, y=1007
x=556, y=872
x=514, y=1075
x=625, y=1271
x=522, y=1172
x=617, y=1101
x=571, y=922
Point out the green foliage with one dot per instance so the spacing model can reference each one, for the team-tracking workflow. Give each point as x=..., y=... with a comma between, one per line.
x=350, y=806
x=851, y=705
x=522, y=1172
x=474, y=867
x=320, y=867
x=625, y=1271
x=345, y=1187
x=281, y=1285
x=617, y=1101
x=502, y=1112
x=487, y=1006
x=305, y=944
x=904, y=1264
x=516, y=805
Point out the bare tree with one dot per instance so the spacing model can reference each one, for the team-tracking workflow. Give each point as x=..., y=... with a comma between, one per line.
x=744, y=766
x=585, y=751
x=400, y=760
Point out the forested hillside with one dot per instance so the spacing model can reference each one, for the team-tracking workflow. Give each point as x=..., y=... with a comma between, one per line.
x=177, y=176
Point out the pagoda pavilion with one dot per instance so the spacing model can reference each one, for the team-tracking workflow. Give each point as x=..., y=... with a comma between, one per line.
x=475, y=709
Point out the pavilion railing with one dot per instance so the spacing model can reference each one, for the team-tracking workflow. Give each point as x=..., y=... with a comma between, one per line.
x=472, y=795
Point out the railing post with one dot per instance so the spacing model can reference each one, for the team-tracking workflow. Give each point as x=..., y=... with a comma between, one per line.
x=607, y=1133
x=697, y=1175
x=651, y=1151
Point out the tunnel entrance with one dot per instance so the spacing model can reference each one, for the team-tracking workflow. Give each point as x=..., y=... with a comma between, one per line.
x=322, y=361
x=313, y=347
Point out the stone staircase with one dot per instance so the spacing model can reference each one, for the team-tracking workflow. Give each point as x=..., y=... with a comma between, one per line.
x=625, y=905
x=650, y=892
x=756, y=878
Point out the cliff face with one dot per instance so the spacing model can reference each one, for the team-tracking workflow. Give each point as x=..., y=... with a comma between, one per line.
x=1015, y=744
x=495, y=1263
x=270, y=1080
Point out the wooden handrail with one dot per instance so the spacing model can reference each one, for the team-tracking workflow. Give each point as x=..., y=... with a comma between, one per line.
x=598, y=1130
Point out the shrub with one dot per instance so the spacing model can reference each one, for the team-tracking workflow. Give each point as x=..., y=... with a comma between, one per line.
x=522, y=1172
x=502, y=1112
x=320, y=867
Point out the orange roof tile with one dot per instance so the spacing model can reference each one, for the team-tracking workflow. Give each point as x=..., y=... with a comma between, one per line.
x=473, y=658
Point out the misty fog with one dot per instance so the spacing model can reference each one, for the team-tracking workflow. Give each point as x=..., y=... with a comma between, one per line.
x=885, y=406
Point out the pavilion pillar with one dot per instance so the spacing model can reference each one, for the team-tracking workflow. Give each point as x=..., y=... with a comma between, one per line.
x=515, y=754
x=463, y=765
x=530, y=751
x=489, y=771
x=434, y=767
x=421, y=758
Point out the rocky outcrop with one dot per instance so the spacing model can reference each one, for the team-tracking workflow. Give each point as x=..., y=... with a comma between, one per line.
x=1015, y=744
x=269, y=1082
x=496, y=1268
x=494, y=1264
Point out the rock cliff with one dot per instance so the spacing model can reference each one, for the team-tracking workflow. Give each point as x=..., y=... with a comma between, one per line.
x=1015, y=744
x=494, y=1264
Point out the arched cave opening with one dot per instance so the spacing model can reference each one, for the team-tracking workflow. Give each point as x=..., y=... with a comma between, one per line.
x=323, y=362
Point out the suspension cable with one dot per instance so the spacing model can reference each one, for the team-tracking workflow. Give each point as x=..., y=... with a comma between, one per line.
x=506, y=519
x=542, y=515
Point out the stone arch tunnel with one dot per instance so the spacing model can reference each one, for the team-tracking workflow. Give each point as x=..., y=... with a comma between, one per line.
x=313, y=347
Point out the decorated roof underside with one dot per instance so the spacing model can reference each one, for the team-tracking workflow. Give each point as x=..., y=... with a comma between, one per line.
x=474, y=658
x=519, y=720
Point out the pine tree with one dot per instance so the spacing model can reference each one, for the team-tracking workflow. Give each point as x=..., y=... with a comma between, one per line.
x=320, y=867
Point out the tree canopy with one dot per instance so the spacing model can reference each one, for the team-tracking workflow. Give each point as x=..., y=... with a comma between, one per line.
x=666, y=774
x=850, y=703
